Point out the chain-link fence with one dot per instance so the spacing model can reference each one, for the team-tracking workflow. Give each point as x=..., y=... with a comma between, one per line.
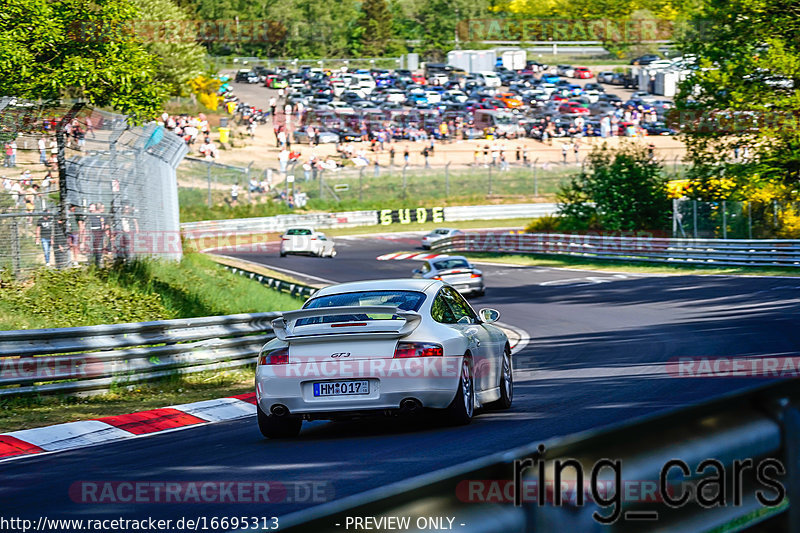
x=82, y=185
x=726, y=219
x=205, y=183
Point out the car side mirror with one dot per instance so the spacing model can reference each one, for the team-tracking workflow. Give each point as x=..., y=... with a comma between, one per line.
x=489, y=315
x=416, y=271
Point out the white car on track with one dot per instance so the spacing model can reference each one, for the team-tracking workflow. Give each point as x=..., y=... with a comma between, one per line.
x=382, y=347
x=306, y=241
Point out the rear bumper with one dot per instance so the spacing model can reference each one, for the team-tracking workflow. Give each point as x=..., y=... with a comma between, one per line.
x=468, y=287
x=432, y=381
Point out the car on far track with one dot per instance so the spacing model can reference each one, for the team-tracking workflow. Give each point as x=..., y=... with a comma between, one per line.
x=385, y=347
x=437, y=235
x=455, y=270
x=306, y=241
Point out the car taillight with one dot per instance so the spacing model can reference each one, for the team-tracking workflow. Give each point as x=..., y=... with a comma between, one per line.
x=438, y=277
x=417, y=349
x=279, y=356
x=475, y=275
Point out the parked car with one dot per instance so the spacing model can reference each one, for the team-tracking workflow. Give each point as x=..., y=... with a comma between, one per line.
x=306, y=241
x=568, y=71
x=324, y=137
x=583, y=73
x=645, y=59
x=605, y=77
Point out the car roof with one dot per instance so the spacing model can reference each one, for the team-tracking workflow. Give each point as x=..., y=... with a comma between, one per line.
x=446, y=257
x=407, y=284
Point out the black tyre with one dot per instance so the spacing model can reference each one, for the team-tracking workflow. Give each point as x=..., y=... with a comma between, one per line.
x=461, y=409
x=283, y=254
x=506, y=383
x=278, y=427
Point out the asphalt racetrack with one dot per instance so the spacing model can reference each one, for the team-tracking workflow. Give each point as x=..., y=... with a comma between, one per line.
x=596, y=356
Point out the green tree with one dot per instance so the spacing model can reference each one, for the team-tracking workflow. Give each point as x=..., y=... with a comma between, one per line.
x=437, y=21
x=743, y=95
x=622, y=190
x=78, y=49
x=172, y=40
x=376, y=24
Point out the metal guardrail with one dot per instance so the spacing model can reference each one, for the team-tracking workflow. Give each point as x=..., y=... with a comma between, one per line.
x=757, y=425
x=94, y=358
x=350, y=219
x=701, y=252
x=294, y=289
x=280, y=223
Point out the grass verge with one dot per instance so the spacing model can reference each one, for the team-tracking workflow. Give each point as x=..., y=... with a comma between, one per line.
x=135, y=292
x=626, y=266
x=36, y=411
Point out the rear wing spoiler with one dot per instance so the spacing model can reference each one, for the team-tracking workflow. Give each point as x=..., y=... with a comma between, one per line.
x=284, y=325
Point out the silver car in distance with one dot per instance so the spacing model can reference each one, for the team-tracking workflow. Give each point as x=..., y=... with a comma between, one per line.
x=382, y=347
x=437, y=235
x=455, y=270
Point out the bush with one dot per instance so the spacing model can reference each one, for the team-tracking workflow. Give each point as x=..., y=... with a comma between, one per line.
x=545, y=224
x=621, y=190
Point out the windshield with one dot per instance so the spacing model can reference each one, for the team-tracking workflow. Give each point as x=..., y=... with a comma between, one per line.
x=299, y=231
x=404, y=300
x=504, y=119
x=447, y=264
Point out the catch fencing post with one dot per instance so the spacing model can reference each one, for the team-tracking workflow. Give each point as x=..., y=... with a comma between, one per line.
x=724, y=220
x=404, y=181
x=447, y=179
x=694, y=216
x=247, y=182
x=535, y=178
x=489, y=192
x=674, y=217
x=361, y=184
x=749, y=220
x=208, y=178
x=15, y=252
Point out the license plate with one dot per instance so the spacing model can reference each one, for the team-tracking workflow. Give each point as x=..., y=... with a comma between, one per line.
x=341, y=388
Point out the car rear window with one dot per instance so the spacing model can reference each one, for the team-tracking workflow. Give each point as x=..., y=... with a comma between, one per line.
x=404, y=300
x=298, y=232
x=447, y=264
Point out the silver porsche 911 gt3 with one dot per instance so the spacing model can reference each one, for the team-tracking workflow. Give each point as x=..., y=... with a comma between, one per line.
x=382, y=347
